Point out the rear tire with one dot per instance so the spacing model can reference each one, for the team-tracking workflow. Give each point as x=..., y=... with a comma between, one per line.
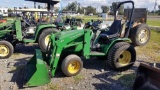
x=121, y=56
x=72, y=65
x=140, y=35
x=44, y=38
x=6, y=49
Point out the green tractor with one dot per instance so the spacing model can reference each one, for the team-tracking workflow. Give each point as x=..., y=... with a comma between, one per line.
x=66, y=48
x=12, y=32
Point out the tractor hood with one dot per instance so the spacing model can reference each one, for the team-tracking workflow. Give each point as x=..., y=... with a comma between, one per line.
x=71, y=33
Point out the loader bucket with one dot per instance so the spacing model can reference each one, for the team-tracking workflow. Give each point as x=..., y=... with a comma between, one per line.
x=148, y=78
x=36, y=71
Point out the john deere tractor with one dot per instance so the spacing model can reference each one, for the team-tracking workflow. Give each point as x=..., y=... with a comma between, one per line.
x=66, y=49
x=13, y=32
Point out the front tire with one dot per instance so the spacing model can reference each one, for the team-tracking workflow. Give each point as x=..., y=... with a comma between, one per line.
x=6, y=49
x=121, y=56
x=45, y=37
x=72, y=65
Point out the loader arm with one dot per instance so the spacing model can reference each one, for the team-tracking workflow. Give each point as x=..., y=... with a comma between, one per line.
x=67, y=41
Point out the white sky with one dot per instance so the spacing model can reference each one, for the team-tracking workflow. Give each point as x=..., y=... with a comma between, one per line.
x=96, y=3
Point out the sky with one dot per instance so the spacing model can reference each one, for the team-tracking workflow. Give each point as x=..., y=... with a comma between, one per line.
x=96, y=3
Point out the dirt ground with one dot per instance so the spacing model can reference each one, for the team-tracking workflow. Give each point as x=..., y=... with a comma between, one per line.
x=95, y=75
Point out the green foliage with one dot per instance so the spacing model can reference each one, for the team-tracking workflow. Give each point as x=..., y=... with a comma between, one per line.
x=114, y=7
x=56, y=10
x=9, y=10
x=155, y=13
x=52, y=86
x=71, y=7
x=105, y=9
x=153, y=22
x=77, y=78
x=90, y=9
x=39, y=7
x=152, y=48
x=80, y=9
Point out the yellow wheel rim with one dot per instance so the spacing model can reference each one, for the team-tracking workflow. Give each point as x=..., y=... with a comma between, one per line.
x=143, y=36
x=4, y=50
x=47, y=40
x=125, y=57
x=74, y=67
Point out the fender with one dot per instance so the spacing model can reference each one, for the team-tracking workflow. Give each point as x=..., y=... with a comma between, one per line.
x=41, y=27
x=107, y=47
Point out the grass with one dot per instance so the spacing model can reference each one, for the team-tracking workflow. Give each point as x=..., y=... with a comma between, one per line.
x=153, y=22
x=152, y=48
x=52, y=86
x=77, y=78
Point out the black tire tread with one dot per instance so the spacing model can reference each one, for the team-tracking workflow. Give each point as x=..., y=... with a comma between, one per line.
x=42, y=35
x=111, y=56
x=10, y=46
x=134, y=33
x=66, y=60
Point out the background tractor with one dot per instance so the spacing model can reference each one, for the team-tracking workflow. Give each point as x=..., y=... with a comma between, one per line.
x=65, y=21
x=67, y=47
x=13, y=32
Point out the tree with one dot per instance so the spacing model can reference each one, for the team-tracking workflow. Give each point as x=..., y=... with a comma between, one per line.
x=79, y=8
x=105, y=9
x=56, y=10
x=10, y=10
x=71, y=7
x=90, y=9
x=114, y=7
x=159, y=10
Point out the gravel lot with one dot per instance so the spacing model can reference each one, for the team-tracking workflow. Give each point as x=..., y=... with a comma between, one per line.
x=94, y=76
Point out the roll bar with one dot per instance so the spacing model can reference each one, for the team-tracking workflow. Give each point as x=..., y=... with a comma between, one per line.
x=130, y=19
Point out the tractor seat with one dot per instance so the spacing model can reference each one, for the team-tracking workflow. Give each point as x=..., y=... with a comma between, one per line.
x=113, y=31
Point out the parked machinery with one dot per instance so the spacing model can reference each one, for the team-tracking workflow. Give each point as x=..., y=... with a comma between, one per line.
x=66, y=48
x=13, y=32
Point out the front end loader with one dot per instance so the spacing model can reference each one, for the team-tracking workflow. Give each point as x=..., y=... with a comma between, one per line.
x=67, y=47
x=147, y=78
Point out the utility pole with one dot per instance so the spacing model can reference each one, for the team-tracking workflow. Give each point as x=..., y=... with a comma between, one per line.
x=35, y=5
x=155, y=6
